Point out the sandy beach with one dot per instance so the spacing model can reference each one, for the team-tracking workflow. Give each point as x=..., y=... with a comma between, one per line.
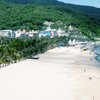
x=59, y=74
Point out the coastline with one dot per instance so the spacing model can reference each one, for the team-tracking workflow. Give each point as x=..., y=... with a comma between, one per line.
x=60, y=74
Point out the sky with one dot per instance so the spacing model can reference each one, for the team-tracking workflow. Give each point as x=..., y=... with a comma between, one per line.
x=95, y=3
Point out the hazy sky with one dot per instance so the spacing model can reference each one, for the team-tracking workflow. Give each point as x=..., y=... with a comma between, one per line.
x=95, y=3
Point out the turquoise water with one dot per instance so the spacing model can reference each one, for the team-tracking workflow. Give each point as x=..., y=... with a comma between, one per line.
x=97, y=51
x=98, y=57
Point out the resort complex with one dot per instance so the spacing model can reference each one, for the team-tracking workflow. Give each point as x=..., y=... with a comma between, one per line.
x=49, y=50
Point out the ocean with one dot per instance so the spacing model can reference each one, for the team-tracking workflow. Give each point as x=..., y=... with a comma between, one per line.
x=97, y=52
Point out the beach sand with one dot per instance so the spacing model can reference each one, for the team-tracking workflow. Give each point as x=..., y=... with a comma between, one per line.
x=59, y=74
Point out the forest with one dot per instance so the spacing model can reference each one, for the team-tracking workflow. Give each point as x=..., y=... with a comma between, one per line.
x=32, y=17
x=17, y=49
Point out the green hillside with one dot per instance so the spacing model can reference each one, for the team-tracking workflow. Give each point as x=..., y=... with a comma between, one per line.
x=32, y=16
x=32, y=1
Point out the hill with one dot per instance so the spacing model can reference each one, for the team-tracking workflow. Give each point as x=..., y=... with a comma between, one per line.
x=32, y=16
x=91, y=11
x=32, y=1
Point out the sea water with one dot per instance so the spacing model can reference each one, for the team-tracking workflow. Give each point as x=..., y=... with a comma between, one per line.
x=97, y=51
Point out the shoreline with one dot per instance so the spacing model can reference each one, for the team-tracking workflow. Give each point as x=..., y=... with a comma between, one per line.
x=60, y=74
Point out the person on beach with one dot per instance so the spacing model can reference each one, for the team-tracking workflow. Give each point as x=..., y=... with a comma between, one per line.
x=84, y=70
x=90, y=78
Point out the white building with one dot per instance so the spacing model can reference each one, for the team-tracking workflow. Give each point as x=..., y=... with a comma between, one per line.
x=22, y=33
x=61, y=32
x=70, y=28
x=7, y=33
x=48, y=23
x=18, y=33
x=32, y=33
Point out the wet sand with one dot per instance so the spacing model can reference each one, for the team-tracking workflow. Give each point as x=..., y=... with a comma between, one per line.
x=59, y=74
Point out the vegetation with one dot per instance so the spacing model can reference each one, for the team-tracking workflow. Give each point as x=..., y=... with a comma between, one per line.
x=33, y=1
x=13, y=50
x=32, y=16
